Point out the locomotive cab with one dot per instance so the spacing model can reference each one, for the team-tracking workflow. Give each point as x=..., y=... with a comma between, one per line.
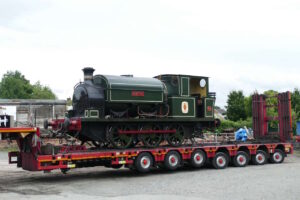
x=189, y=96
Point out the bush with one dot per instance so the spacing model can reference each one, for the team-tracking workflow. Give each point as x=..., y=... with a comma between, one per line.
x=227, y=124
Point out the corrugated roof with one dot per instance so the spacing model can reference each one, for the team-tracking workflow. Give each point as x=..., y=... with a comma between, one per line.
x=32, y=102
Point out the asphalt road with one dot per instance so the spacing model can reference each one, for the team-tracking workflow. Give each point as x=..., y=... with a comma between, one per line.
x=271, y=181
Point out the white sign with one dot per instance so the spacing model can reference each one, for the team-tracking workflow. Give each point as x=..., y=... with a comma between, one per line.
x=9, y=110
x=3, y=121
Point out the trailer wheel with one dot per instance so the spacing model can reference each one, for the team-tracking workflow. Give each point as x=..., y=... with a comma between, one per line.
x=198, y=158
x=260, y=158
x=241, y=159
x=277, y=156
x=220, y=161
x=172, y=160
x=144, y=162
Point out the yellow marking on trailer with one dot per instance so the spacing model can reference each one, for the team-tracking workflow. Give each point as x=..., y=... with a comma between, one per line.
x=71, y=166
x=59, y=158
x=211, y=150
x=287, y=149
x=85, y=158
x=122, y=162
x=17, y=131
x=23, y=135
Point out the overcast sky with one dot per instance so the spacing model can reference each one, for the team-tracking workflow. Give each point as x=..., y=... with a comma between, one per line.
x=241, y=45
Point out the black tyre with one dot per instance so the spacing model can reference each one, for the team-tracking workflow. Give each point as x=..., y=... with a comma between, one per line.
x=172, y=160
x=241, y=159
x=220, y=161
x=277, y=156
x=198, y=158
x=143, y=162
x=260, y=158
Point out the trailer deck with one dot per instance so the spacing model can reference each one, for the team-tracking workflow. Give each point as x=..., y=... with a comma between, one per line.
x=33, y=156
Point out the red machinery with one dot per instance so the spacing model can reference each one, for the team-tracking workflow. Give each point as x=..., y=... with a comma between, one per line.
x=34, y=156
x=261, y=120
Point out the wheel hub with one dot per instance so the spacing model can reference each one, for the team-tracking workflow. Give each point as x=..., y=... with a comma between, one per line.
x=173, y=160
x=277, y=157
x=221, y=161
x=260, y=158
x=241, y=160
x=145, y=162
x=198, y=158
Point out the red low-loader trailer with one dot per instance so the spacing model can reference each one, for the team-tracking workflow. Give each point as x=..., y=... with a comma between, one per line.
x=31, y=157
x=267, y=147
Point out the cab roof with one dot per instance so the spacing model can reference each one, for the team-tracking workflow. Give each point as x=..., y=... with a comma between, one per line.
x=180, y=75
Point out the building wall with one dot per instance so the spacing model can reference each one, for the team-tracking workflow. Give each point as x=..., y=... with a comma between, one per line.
x=33, y=112
x=35, y=115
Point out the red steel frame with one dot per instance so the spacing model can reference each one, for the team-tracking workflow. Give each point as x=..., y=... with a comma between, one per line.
x=126, y=157
x=260, y=118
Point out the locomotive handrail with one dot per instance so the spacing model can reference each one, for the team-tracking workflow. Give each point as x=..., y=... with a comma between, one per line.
x=146, y=131
x=78, y=84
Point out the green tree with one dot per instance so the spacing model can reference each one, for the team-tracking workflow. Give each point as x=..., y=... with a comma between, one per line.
x=272, y=108
x=272, y=103
x=295, y=98
x=14, y=85
x=236, y=106
x=248, y=106
x=42, y=92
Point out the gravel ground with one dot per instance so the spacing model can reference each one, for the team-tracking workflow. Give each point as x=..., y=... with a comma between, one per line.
x=271, y=181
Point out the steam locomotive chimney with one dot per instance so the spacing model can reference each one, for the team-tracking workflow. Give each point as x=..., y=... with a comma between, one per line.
x=88, y=73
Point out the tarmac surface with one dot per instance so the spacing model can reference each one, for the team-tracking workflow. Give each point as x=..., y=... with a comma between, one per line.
x=271, y=181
